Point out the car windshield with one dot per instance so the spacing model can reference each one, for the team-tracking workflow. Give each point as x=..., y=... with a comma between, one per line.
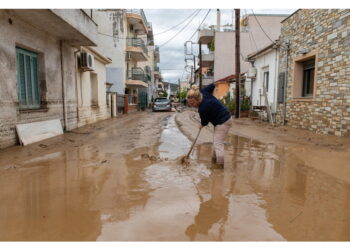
x=161, y=100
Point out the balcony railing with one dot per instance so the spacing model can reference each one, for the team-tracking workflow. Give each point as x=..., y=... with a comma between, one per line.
x=137, y=74
x=138, y=12
x=156, y=68
x=137, y=42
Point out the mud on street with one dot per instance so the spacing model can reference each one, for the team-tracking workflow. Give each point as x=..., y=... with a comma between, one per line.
x=120, y=180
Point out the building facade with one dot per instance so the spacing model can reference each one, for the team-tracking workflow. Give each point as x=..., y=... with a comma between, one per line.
x=315, y=62
x=263, y=73
x=37, y=68
x=256, y=32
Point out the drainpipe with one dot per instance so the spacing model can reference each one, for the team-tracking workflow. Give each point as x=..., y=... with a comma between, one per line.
x=287, y=44
x=63, y=89
x=76, y=83
x=275, y=81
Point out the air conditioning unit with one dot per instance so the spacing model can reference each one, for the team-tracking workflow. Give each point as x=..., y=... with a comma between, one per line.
x=86, y=62
x=251, y=73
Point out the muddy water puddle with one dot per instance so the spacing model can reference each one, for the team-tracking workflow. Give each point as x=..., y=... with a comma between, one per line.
x=265, y=193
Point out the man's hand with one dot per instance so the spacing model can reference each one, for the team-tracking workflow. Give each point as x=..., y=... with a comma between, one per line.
x=201, y=126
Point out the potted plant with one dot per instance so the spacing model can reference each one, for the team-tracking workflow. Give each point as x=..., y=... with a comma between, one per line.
x=245, y=107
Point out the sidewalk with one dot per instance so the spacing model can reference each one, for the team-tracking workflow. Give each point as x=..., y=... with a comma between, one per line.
x=188, y=122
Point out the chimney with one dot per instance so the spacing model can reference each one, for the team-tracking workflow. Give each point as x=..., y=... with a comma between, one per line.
x=218, y=17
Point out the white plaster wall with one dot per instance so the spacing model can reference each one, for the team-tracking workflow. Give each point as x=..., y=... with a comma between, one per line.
x=112, y=47
x=270, y=61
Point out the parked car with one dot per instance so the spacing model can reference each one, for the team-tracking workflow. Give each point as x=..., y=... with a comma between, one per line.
x=162, y=104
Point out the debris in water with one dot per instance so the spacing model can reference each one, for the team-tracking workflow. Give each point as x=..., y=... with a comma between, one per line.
x=153, y=158
x=42, y=145
x=11, y=167
x=104, y=161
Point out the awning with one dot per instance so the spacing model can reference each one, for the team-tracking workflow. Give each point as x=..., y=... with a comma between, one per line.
x=136, y=84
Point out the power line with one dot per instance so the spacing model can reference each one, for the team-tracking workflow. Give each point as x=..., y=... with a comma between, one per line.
x=181, y=29
x=250, y=34
x=199, y=25
x=176, y=24
x=262, y=27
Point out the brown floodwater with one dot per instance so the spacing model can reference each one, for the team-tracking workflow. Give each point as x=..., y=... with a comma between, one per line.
x=98, y=192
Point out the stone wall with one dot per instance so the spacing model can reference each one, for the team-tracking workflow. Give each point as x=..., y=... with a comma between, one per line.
x=328, y=33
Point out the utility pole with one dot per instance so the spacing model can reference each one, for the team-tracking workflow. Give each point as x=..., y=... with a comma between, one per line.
x=200, y=65
x=179, y=92
x=237, y=60
x=194, y=69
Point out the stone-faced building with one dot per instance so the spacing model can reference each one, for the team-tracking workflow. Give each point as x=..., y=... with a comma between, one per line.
x=318, y=72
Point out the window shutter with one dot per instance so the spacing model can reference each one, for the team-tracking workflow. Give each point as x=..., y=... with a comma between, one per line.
x=281, y=81
x=27, y=79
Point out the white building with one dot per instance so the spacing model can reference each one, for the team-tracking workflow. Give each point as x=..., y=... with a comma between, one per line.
x=256, y=32
x=263, y=72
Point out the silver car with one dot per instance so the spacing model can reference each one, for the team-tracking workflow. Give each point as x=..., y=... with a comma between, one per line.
x=161, y=104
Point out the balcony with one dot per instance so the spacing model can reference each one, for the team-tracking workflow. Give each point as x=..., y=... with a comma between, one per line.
x=150, y=37
x=148, y=73
x=137, y=18
x=137, y=49
x=205, y=36
x=156, y=54
x=136, y=78
x=207, y=59
x=156, y=72
x=71, y=25
x=206, y=80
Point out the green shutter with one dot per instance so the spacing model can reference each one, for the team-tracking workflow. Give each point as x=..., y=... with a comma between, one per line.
x=27, y=79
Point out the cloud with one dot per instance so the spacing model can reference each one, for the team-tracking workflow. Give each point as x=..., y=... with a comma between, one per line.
x=172, y=53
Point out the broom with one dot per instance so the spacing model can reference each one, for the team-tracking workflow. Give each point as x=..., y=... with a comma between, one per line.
x=184, y=159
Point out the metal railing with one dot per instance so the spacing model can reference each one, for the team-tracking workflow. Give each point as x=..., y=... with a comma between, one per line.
x=138, y=12
x=137, y=42
x=137, y=74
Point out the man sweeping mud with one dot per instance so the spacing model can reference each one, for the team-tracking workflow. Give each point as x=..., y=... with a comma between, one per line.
x=211, y=110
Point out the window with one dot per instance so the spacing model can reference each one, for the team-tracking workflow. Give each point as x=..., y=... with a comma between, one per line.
x=305, y=75
x=27, y=79
x=266, y=80
x=308, y=78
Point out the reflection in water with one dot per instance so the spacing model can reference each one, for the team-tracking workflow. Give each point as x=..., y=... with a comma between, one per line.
x=93, y=193
x=214, y=210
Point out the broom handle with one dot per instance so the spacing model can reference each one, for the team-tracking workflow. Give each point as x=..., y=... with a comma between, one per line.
x=194, y=142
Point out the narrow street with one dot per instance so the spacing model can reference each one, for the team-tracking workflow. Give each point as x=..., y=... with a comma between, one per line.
x=121, y=180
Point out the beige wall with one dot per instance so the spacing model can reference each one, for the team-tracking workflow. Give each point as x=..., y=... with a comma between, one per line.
x=24, y=35
x=92, y=99
x=251, y=40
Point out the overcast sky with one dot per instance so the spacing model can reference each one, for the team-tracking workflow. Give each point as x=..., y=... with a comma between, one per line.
x=172, y=53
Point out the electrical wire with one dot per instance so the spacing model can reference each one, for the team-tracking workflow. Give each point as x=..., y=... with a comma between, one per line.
x=181, y=29
x=199, y=25
x=176, y=24
x=262, y=27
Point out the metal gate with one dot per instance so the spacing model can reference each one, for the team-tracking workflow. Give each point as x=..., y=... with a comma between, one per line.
x=120, y=103
x=142, y=101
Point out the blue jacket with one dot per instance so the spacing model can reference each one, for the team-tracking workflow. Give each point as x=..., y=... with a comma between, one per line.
x=211, y=109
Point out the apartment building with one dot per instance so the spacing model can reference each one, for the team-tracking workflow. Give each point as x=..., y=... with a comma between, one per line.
x=256, y=32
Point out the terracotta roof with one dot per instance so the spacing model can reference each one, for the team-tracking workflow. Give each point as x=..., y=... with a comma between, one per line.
x=227, y=78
